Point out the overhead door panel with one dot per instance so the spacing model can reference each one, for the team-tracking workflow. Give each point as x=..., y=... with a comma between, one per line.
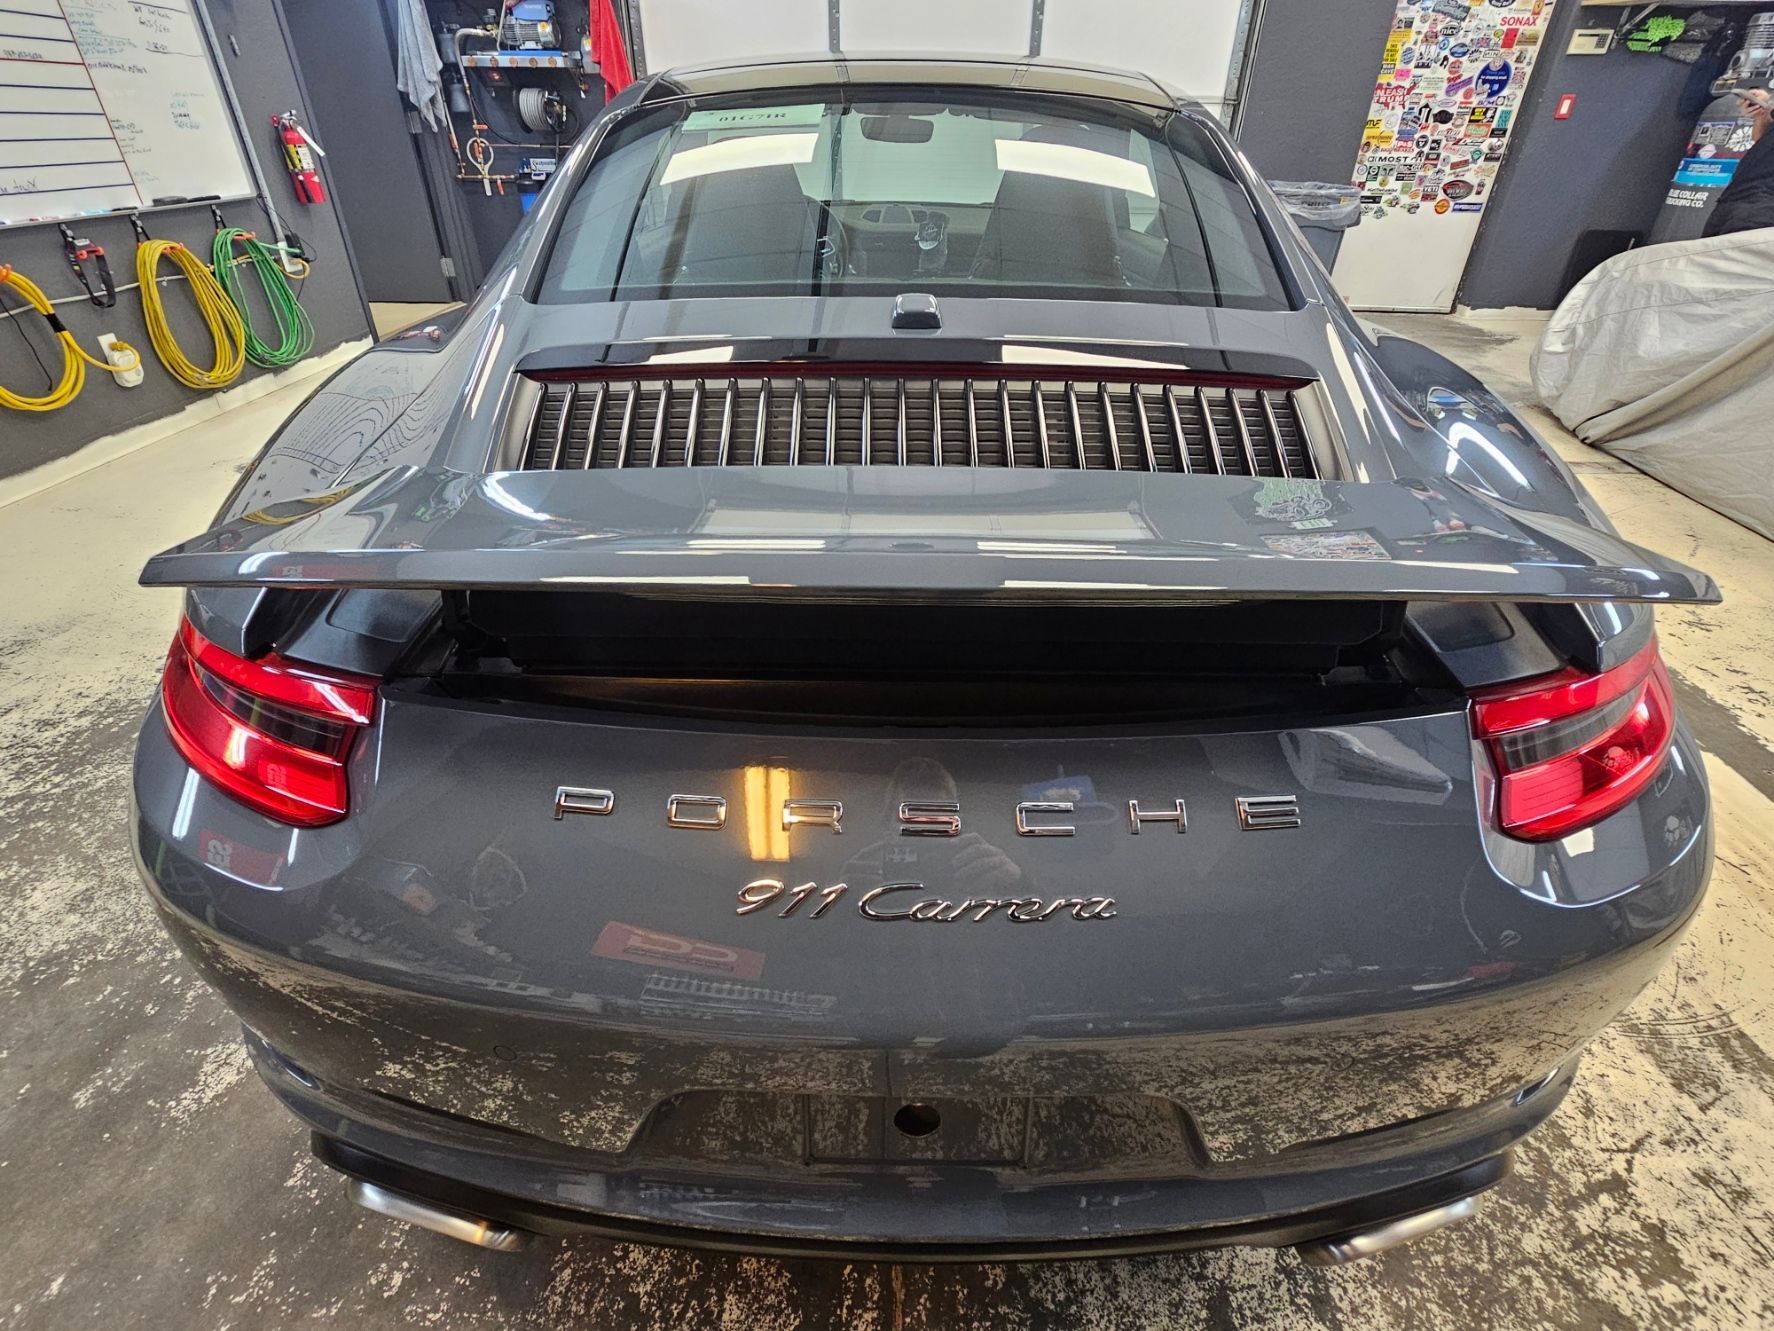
x=1190, y=46
x=701, y=32
x=979, y=27
x=1194, y=46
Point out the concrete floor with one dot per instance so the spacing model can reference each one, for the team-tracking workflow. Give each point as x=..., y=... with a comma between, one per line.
x=149, y=1181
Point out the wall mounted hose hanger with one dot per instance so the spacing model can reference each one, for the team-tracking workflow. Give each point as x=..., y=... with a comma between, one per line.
x=217, y=288
x=80, y=251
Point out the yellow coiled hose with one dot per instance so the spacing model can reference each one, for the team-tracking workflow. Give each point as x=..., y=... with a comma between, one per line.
x=226, y=331
x=74, y=360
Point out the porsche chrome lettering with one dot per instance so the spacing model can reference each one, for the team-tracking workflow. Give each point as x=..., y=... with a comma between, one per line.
x=708, y=813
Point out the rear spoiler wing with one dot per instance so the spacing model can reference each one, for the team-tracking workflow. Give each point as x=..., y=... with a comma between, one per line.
x=937, y=534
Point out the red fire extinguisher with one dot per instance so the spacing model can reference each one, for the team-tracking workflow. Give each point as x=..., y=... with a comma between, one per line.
x=299, y=152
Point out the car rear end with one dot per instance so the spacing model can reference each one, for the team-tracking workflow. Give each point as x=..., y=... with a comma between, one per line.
x=927, y=799
x=914, y=924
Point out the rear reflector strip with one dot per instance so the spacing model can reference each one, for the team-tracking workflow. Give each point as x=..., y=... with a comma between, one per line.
x=273, y=734
x=1572, y=748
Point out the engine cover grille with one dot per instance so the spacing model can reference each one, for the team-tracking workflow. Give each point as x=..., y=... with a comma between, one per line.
x=890, y=421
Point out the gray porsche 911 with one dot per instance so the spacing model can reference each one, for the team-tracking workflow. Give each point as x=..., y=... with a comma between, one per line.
x=908, y=683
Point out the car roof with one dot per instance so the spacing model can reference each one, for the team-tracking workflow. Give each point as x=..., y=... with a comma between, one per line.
x=1011, y=73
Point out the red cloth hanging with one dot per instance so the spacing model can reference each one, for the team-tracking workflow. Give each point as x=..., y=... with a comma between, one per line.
x=606, y=47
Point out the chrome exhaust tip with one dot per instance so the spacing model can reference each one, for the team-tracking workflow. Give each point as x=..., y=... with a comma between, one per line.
x=451, y=1224
x=1370, y=1242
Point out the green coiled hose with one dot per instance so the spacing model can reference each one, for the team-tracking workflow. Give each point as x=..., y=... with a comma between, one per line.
x=294, y=330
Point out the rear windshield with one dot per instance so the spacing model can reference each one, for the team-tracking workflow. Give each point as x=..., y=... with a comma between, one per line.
x=1011, y=197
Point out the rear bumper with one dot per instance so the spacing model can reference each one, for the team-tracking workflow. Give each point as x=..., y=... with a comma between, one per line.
x=1306, y=1226
x=1302, y=1082
x=904, y=1214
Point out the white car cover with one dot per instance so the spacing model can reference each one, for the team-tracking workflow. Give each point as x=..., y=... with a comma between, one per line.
x=1664, y=357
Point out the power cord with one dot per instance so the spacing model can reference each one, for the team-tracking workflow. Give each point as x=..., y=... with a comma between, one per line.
x=295, y=332
x=12, y=316
x=74, y=358
x=226, y=331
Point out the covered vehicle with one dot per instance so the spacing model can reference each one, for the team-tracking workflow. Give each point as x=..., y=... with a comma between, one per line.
x=1664, y=356
x=907, y=682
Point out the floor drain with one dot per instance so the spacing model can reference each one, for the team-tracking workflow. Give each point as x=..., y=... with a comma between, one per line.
x=917, y=1120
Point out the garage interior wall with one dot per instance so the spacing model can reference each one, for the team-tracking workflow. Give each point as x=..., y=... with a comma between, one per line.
x=264, y=78
x=1606, y=168
x=345, y=56
x=347, y=71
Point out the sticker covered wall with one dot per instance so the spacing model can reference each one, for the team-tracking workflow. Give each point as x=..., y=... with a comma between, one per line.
x=1450, y=86
x=1450, y=82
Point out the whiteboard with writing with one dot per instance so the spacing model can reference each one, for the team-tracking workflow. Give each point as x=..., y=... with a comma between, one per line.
x=108, y=106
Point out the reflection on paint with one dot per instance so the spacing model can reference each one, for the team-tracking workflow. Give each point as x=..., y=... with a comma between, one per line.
x=766, y=790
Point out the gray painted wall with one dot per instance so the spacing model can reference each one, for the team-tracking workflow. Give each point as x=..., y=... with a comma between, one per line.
x=1606, y=168
x=1311, y=83
x=348, y=76
x=264, y=76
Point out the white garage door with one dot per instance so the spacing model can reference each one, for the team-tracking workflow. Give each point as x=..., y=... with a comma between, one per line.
x=975, y=27
x=1195, y=46
x=701, y=32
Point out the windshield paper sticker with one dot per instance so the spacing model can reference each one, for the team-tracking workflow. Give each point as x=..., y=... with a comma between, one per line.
x=756, y=117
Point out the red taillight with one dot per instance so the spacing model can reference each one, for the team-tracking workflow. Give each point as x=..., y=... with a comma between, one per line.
x=1572, y=748
x=272, y=733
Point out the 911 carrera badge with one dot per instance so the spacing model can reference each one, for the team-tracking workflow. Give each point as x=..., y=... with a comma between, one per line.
x=899, y=901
